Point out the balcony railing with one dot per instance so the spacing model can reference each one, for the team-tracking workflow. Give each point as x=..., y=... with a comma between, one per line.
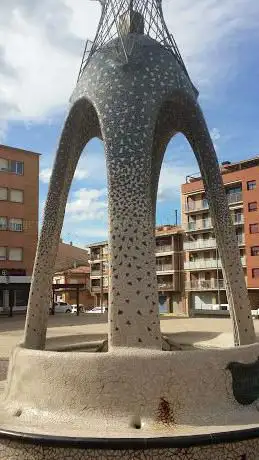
x=95, y=256
x=164, y=268
x=95, y=288
x=235, y=197
x=237, y=220
x=200, y=244
x=204, y=285
x=96, y=272
x=200, y=225
x=164, y=286
x=207, y=263
x=197, y=206
x=202, y=263
x=207, y=244
x=165, y=248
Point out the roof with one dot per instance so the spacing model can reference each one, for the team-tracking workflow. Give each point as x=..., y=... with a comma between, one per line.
x=228, y=167
x=101, y=243
x=17, y=149
x=160, y=231
x=83, y=270
x=69, y=256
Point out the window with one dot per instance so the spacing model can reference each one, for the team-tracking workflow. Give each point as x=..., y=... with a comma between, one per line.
x=16, y=225
x=2, y=253
x=3, y=223
x=234, y=190
x=254, y=228
x=3, y=193
x=251, y=185
x=16, y=167
x=252, y=206
x=255, y=251
x=15, y=254
x=4, y=164
x=16, y=196
x=255, y=273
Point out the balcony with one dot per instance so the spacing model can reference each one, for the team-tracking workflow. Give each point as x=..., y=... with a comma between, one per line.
x=200, y=244
x=165, y=248
x=95, y=288
x=203, y=264
x=164, y=268
x=238, y=220
x=95, y=256
x=95, y=273
x=165, y=286
x=203, y=224
x=207, y=244
x=205, y=285
x=235, y=197
x=197, y=206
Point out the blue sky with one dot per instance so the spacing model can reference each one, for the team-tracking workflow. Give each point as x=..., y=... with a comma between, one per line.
x=40, y=50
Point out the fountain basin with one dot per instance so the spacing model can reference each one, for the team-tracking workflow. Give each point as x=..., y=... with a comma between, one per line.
x=127, y=399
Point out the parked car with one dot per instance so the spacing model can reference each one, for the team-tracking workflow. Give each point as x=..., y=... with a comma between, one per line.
x=102, y=309
x=61, y=307
x=255, y=313
x=74, y=307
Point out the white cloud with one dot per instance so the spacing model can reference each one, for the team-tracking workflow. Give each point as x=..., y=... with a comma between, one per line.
x=215, y=137
x=171, y=179
x=215, y=134
x=3, y=130
x=86, y=205
x=41, y=46
x=45, y=175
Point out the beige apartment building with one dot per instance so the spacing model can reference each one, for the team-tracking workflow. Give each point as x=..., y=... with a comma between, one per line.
x=169, y=264
x=204, y=284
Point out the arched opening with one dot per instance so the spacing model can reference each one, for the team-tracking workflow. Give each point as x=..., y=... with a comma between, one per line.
x=80, y=127
x=182, y=114
x=178, y=161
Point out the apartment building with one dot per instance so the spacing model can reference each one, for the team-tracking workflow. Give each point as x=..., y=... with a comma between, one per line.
x=19, y=197
x=204, y=284
x=169, y=265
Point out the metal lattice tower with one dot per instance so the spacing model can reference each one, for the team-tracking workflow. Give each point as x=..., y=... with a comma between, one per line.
x=122, y=17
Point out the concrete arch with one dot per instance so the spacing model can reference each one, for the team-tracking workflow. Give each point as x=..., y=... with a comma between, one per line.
x=80, y=127
x=181, y=114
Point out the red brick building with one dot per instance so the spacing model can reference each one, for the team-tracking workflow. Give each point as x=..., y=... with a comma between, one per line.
x=19, y=198
x=204, y=284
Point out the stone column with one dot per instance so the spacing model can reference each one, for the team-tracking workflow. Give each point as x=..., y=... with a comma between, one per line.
x=133, y=310
x=77, y=131
x=197, y=133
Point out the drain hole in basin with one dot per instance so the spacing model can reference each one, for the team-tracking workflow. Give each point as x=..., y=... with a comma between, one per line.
x=136, y=423
x=18, y=413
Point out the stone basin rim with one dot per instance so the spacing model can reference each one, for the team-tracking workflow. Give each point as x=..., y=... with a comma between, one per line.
x=207, y=439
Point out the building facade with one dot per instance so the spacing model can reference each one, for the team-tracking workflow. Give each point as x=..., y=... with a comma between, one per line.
x=204, y=284
x=74, y=276
x=19, y=197
x=169, y=269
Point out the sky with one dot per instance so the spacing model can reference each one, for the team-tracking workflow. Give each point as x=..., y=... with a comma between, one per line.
x=41, y=45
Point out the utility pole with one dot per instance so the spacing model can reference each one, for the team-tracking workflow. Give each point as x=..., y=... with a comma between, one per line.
x=176, y=217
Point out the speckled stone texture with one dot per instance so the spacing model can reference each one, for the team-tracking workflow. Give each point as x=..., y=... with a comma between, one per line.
x=166, y=394
x=246, y=450
x=136, y=108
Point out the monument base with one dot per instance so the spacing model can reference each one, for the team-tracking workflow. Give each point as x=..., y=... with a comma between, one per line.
x=11, y=450
x=131, y=403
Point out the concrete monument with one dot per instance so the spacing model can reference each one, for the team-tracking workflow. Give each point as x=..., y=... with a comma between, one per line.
x=135, y=401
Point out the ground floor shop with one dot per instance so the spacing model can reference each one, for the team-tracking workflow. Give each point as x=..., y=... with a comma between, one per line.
x=14, y=297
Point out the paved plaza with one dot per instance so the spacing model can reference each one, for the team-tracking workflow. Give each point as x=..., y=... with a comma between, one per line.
x=66, y=329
